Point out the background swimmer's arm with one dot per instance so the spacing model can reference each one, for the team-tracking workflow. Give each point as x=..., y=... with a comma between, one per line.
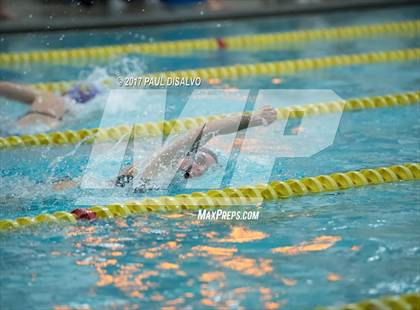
x=233, y=124
x=18, y=92
x=44, y=102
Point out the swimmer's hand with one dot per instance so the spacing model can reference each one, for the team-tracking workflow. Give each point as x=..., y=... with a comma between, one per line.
x=266, y=115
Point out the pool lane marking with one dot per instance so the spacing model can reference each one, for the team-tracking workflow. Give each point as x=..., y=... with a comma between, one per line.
x=260, y=69
x=89, y=135
x=228, y=197
x=239, y=42
x=409, y=301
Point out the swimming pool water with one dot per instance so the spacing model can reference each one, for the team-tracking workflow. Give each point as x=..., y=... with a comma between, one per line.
x=325, y=249
x=159, y=260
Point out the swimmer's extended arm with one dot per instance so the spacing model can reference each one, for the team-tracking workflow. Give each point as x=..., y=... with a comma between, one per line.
x=236, y=123
x=18, y=92
x=45, y=107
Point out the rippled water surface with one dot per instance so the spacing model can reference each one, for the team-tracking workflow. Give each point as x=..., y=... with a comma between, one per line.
x=324, y=249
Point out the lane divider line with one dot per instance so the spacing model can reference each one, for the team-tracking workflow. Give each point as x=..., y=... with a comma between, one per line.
x=227, y=197
x=407, y=302
x=89, y=135
x=240, y=42
x=260, y=69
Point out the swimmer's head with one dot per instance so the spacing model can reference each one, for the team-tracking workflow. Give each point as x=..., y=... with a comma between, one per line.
x=199, y=164
x=82, y=93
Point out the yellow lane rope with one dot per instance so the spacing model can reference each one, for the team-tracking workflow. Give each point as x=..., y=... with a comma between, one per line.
x=181, y=125
x=402, y=302
x=294, y=66
x=263, y=68
x=245, y=195
x=75, y=55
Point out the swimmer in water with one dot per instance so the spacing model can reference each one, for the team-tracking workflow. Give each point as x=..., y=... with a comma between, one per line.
x=46, y=109
x=188, y=154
